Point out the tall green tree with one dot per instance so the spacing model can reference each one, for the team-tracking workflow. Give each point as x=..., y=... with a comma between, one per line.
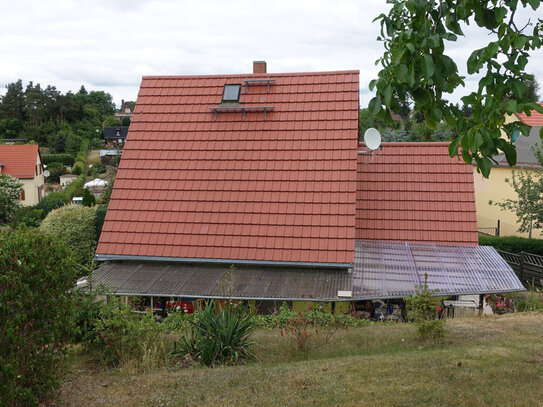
x=415, y=66
x=13, y=102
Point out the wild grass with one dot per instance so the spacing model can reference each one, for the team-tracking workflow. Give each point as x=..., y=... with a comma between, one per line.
x=496, y=360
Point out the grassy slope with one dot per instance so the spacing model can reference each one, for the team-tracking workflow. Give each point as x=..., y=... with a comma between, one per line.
x=383, y=365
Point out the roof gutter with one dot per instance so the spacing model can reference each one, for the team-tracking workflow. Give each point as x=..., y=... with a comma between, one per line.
x=115, y=257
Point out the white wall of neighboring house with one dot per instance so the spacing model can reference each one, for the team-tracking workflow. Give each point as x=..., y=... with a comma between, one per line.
x=33, y=187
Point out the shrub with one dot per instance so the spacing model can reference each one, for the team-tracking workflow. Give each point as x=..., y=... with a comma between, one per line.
x=88, y=198
x=100, y=216
x=86, y=312
x=36, y=275
x=51, y=201
x=78, y=168
x=218, y=337
x=73, y=224
x=177, y=321
x=100, y=168
x=513, y=244
x=65, y=159
x=55, y=171
x=29, y=215
x=122, y=337
x=423, y=310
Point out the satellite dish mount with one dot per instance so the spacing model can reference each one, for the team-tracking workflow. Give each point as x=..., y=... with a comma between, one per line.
x=372, y=139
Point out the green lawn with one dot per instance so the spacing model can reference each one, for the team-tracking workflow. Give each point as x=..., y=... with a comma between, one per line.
x=494, y=361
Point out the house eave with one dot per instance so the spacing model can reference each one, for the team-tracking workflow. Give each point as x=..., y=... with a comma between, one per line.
x=115, y=257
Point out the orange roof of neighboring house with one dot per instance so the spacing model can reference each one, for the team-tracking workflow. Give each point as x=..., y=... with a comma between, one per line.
x=415, y=192
x=279, y=187
x=19, y=160
x=535, y=118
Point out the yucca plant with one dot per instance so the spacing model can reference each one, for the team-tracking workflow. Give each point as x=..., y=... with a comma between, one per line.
x=218, y=337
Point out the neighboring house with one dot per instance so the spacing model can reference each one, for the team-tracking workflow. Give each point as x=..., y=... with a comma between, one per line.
x=107, y=156
x=124, y=111
x=264, y=172
x=23, y=161
x=496, y=189
x=115, y=136
x=67, y=179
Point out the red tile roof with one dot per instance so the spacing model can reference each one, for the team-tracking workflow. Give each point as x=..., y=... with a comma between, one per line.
x=535, y=118
x=281, y=189
x=19, y=161
x=415, y=192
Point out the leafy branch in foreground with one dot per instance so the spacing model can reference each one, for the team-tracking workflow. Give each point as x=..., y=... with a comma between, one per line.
x=415, y=66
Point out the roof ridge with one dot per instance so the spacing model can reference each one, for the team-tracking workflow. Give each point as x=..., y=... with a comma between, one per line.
x=354, y=71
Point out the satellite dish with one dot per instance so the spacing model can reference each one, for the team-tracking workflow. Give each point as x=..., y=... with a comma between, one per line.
x=46, y=173
x=372, y=138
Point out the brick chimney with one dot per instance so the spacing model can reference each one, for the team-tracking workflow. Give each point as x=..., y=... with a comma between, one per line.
x=259, y=66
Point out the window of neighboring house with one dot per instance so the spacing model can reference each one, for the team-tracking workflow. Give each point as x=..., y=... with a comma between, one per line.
x=22, y=195
x=231, y=93
x=36, y=170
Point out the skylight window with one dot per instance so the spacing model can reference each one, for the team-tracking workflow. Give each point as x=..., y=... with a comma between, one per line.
x=231, y=93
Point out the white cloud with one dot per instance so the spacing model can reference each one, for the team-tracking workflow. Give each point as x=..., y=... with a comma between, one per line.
x=109, y=44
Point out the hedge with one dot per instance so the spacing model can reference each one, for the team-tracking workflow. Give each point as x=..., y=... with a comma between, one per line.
x=65, y=159
x=36, y=275
x=513, y=244
x=74, y=224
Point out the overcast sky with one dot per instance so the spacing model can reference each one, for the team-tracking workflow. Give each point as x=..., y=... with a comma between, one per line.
x=110, y=44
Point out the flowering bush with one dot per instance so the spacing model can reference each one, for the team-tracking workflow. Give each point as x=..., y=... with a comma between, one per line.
x=500, y=303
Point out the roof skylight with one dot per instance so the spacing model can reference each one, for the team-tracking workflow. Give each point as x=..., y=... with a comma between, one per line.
x=231, y=93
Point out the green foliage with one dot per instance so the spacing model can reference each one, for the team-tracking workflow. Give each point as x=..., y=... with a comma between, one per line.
x=77, y=169
x=100, y=168
x=177, y=322
x=513, y=244
x=529, y=301
x=70, y=191
x=121, y=336
x=415, y=66
x=88, y=198
x=85, y=313
x=218, y=337
x=59, y=121
x=10, y=192
x=55, y=169
x=73, y=224
x=99, y=218
x=65, y=159
x=36, y=275
x=422, y=308
x=29, y=215
x=316, y=317
x=51, y=201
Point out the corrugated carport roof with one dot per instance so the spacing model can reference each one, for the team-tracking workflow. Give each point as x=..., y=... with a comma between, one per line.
x=381, y=270
x=203, y=281
x=393, y=269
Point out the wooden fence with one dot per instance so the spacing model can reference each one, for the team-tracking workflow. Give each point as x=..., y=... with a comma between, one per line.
x=527, y=266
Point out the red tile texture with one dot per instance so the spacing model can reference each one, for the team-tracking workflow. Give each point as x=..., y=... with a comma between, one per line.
x=19, y=161
x=535, y=118
x=281, y=189
x=415, y=192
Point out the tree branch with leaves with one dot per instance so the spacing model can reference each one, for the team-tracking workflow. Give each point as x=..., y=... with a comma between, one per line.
x=415, y=66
